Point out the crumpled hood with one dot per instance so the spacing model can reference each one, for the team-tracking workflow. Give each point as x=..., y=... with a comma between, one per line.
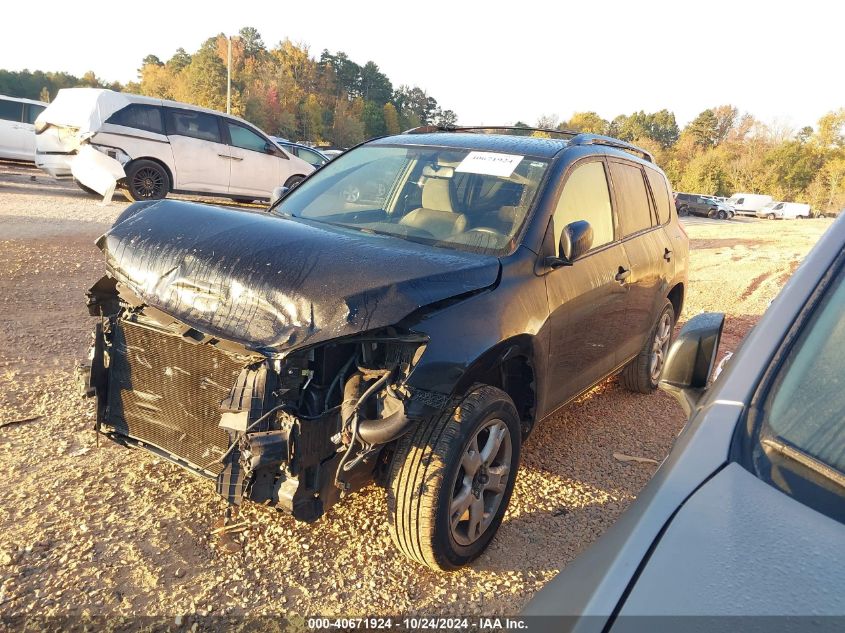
x=274, y=284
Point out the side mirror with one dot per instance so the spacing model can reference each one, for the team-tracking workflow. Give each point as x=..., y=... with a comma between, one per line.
x=270, y=148
x=691, y=359
x=278, y=194
x=575, y=240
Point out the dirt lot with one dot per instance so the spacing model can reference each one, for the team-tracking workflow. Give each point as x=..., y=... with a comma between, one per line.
x=87, y=529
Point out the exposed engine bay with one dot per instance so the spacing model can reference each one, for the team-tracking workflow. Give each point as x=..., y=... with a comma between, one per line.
x=293, y=432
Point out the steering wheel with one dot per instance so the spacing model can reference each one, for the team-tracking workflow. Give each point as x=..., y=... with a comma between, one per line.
x=350, y=194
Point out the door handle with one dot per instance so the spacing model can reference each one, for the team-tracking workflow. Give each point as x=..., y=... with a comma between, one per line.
x=667, y=254
x=224, y=156
x=622, y=275
x=235, y=157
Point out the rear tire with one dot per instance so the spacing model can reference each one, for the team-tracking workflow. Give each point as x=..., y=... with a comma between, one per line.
x=446, y=498
x=683, y=211
x=87, y=190
x=771, y=216
x=642, y=374
x=723, y=215
x=147, y=180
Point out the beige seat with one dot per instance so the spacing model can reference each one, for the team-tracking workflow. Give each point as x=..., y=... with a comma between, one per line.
x=436, y=216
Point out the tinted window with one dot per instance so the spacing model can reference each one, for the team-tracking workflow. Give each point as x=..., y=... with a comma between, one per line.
x=32, y=112
x=806, y=407
x=631, y=197
x=10, y=110
x=194, y=124
x=661, y=195
x=139, y=116
x=585, y=196
x=312, y=158
x=245, y=138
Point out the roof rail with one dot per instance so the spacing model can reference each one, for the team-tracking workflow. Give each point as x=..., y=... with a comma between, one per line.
x=598, y=139
x=431, y=129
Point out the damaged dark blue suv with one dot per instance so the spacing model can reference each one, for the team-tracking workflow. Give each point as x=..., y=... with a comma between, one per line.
x=406, y=315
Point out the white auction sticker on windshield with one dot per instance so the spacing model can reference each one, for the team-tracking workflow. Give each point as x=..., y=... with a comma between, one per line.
x=490, y=164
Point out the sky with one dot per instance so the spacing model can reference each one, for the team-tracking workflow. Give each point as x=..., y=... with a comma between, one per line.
x=491, y=62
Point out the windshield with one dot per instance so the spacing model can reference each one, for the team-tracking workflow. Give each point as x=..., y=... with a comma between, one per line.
x=456, y=198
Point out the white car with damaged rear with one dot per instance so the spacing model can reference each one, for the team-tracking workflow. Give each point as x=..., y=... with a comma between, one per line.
x=152, y=147
x=784, y=211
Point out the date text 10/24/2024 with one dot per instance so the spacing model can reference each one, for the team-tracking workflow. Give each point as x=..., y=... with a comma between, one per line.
x=419, y=623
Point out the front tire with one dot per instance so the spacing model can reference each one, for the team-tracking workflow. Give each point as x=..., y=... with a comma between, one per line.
x=642, y=374
x=771, y=216
x=451, y=480
x=723, y=215
x=293, y=181
x=147, y=180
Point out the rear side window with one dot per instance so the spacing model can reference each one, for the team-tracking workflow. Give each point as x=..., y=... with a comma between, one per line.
x=139, y=116
x=32, y=112
x=632, y=198
x=11, y=110
x=245, y=138
x=193, y=124
x=585, y=196
x=661, y=195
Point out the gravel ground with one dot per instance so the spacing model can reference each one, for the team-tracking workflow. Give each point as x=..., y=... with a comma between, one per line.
x=103, y=530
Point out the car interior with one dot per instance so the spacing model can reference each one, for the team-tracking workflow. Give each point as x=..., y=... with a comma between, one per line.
x=429, y=199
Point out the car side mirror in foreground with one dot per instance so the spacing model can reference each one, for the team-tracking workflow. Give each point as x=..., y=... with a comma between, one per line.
x=575, y=240
x=691, y=359
x=277, y=194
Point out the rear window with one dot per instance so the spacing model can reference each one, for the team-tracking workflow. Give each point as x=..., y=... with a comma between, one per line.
x=661, y=195
x=140, y=117
x=631, y=198
x=193, y=124
x=11, y=110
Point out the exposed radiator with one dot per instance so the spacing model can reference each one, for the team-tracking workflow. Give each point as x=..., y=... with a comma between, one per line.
x=166, y=392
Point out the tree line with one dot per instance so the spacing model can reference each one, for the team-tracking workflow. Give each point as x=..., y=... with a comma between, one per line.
x=722, y=152
x=331, y=99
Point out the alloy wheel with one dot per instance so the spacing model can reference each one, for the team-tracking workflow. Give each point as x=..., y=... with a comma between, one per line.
x=148, y=183
x=660, y=347
x=480, y=482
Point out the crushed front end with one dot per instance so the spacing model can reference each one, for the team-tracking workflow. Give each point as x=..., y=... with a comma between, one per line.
x=292, y=432
x=266, y=353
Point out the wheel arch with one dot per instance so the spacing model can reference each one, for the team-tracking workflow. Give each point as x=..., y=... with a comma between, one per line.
x=509, y=366
x=676, y=298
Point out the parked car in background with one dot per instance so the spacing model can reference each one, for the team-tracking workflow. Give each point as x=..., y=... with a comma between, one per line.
x=411, y=334
x=312, y=156
x=17, y=129
x=748, y=203
x=706, y=206
x=152, y=147
x=745, y=515
x=784, y=211
x=332, y=153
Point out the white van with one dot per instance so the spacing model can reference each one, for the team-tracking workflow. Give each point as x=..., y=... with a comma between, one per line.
x=152, y=147
x=748, y=203
x=17, y=132
x=784, y=211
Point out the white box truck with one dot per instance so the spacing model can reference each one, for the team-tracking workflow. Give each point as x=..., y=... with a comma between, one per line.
x=748, y=203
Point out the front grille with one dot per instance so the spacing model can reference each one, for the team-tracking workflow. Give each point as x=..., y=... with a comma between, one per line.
x=166, y=391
